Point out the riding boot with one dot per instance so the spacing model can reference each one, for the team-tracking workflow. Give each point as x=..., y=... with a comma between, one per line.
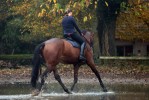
x=82, y=58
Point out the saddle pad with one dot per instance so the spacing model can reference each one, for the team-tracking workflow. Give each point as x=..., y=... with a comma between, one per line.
x=74, y=43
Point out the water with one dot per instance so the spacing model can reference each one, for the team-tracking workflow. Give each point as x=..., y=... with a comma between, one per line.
x=53, y=91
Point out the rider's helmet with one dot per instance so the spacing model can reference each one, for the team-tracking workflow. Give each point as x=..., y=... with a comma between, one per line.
x=67, y=11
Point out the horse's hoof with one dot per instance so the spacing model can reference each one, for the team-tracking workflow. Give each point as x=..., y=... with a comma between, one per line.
x=105, y=90
x=71, y=89
x=35, y=92
x=69, y=92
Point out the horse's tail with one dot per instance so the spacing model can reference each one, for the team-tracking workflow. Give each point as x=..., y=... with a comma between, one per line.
x=37, y=57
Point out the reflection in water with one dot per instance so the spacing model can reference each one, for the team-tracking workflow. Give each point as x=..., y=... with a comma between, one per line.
x=78, y=96
x=53, y=91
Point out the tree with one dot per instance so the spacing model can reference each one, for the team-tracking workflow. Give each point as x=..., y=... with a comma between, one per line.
x=133, y=23
x=107, y=12
x=8, y=29
x=34, y=21
x=42, y=19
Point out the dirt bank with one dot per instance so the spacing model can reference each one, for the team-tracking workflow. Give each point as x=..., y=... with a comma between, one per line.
x=109, y=75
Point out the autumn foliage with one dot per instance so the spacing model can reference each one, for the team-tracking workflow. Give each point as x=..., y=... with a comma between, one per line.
x=133, y=23
x=28, y=22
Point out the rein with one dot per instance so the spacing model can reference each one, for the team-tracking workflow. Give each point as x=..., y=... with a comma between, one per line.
x=86, y=39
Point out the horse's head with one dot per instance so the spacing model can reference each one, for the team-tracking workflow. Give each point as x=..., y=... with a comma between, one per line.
x=88, y=36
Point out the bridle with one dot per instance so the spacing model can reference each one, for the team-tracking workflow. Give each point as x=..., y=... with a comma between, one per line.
x=86, y=39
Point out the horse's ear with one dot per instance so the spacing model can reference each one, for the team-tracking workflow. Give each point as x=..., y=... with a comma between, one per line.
x=83, y=32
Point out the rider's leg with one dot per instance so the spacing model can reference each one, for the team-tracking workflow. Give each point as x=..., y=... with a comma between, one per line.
x=82, y=51
x=80, y=40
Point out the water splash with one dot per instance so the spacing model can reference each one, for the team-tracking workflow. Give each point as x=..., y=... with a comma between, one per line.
x=6, y=97
x=81, y=94
x=44, y=95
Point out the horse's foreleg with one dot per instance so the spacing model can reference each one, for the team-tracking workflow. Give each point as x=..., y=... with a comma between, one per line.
x=93, y=68
x=76, y=68
x=57, y=77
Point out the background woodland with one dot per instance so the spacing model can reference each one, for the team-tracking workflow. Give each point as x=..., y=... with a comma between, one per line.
x=26, y=23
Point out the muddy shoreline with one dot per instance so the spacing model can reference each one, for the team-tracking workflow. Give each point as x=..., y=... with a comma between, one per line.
x=108, y=75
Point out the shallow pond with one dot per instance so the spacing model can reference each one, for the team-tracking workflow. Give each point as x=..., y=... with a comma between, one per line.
x=53, y=91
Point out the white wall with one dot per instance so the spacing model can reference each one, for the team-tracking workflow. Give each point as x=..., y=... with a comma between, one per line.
x=140, y=46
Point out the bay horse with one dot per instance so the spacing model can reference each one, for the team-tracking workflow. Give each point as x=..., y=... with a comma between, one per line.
x=55, y=51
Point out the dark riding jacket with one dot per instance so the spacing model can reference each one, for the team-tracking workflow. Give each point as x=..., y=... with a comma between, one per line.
x=69, y=25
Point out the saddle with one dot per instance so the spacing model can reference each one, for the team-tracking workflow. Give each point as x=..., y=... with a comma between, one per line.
x=73, y=43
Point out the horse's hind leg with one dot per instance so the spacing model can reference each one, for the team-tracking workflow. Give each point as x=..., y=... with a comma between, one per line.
x=43, y=77
x=76, y=68
x=57, y=77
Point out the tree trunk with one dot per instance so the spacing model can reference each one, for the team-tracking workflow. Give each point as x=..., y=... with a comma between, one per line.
x=106, y=16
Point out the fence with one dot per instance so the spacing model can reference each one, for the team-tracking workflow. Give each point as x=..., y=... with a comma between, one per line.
x=124, y=61
x=25, y=59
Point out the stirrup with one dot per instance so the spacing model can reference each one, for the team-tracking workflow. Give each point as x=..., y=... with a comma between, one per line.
x=82, y=58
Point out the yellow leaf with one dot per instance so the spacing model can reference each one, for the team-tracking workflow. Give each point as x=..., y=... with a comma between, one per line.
x=106, y=3
x=40, y=6
x=43, y=11
x=54, y=1
x=47, y=6
x=90, y=17
x=95, y=4
x=138, y=1
x=40, y=15
x=74, y=5
x=50, y=0
x=85, y=19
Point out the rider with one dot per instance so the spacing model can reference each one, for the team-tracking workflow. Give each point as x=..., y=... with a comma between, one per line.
x=69, y=26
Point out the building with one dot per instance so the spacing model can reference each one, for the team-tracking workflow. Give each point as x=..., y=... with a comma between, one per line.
x=132, y=48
